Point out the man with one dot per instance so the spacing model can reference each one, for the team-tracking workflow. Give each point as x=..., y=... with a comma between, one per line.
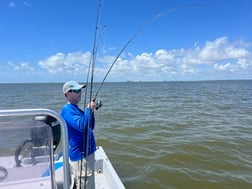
x=80, y=134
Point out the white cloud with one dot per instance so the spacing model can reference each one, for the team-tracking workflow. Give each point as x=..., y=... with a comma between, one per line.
x=187, y=69
x=240, y=65
x=244, y=63
x=73, y=63
x=218, y=55
x=22, y=67
x=227, y=66
x=221, y=49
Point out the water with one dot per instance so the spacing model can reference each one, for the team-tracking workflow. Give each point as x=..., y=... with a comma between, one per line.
x=165, y=134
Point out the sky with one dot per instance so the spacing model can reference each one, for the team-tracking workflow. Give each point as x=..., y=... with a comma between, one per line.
x=165, y=40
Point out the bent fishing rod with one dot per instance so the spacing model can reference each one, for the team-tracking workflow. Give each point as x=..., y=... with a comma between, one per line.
x=143, y=27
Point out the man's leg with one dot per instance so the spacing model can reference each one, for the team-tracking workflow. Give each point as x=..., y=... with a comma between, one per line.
x=79, y=170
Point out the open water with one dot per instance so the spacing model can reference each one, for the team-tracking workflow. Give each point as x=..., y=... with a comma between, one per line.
x=178, y=135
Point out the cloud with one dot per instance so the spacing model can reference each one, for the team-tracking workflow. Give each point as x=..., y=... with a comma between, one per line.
x=241, y=64
x=221, y=49
x=22, y=67
x=73, y=63
x=219, y=55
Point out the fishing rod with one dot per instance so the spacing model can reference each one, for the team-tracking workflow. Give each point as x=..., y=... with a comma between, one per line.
x=90, y=69
x=94, y=52
x=143, y=27
x=92, y=59
x=98, y=103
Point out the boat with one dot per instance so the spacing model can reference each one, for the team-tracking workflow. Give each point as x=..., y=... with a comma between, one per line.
x=34, y=153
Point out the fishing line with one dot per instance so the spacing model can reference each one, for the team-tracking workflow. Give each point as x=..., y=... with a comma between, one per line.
x=143, y=27
x=93, y=58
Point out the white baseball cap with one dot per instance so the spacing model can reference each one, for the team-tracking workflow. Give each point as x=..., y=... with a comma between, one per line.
x=72, y=85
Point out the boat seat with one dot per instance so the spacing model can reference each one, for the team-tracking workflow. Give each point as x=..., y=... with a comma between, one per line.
x=38, y=134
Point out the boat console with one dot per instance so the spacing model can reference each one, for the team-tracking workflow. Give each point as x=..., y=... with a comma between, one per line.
x=30, y=156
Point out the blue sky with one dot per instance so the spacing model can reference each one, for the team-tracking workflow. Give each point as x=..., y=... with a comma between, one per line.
x=52, y=40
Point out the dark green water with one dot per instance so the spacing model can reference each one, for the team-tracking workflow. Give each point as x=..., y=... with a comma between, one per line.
x=165, y=134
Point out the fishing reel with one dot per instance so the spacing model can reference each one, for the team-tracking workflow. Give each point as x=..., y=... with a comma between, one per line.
x=98, y=104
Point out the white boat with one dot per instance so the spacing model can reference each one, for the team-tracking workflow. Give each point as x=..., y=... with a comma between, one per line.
x=31, y=156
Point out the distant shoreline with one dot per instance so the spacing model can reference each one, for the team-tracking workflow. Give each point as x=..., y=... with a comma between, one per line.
x=58, y=82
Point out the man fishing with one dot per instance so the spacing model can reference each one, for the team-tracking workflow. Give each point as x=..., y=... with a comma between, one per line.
x=80, y=134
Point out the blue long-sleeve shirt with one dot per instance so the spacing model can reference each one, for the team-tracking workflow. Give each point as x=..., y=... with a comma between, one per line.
x=78, y=123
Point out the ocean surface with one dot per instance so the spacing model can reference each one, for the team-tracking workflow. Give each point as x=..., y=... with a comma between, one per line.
x=175, y=135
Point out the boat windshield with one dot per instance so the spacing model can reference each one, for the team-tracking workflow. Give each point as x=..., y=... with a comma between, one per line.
x=26, y=153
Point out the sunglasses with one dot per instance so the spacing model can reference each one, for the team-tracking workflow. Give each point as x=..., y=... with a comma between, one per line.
x=75, y=91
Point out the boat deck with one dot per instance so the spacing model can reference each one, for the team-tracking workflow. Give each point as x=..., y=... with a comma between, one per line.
x=106, y=176
x=30, y=176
